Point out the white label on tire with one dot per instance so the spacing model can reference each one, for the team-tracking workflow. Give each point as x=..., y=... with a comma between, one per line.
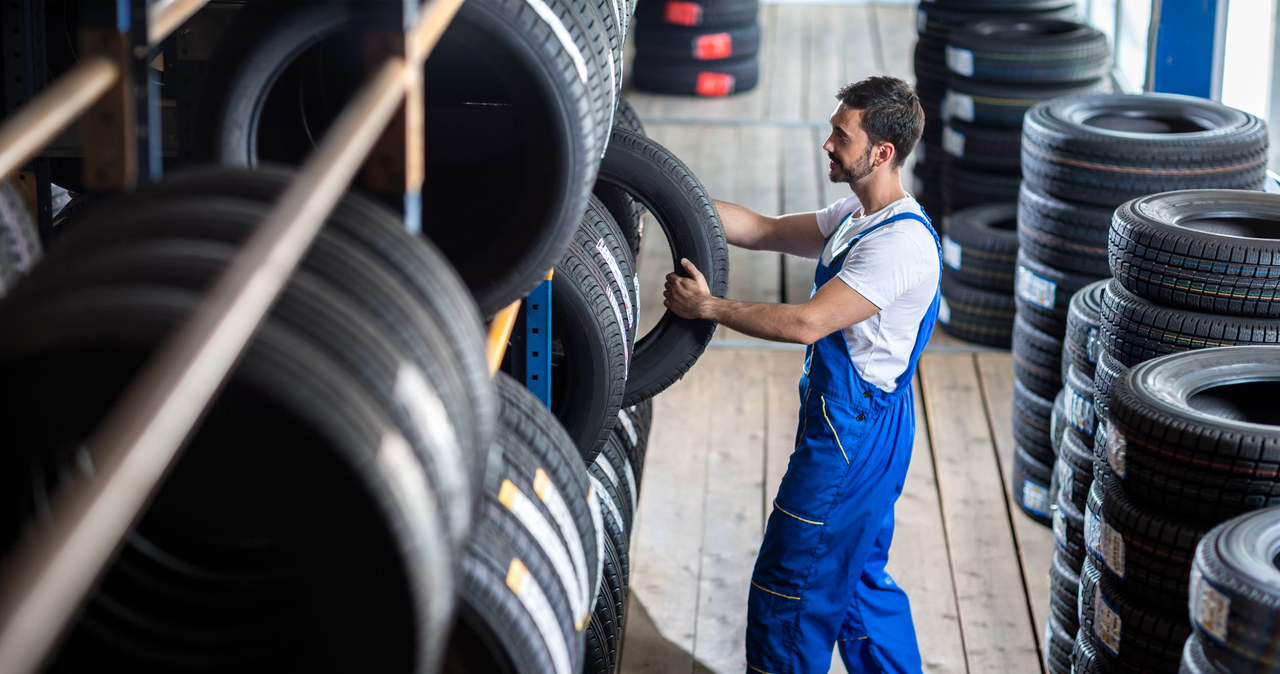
x=629, y=427
x=1066, y=478
x=525, y=512
x=1036, y=498
x=959, y=106
x=960, y=61
x=1113, y=549
x=1093, y=531
x=435, y=429
x=631, y=482
x=1210, y=608
x=952, y=252
x=1116, y=448
x=1106, y=622
x=1093, y=345
x=617, y=278
x=1036, y=289
x=944, y=311
x=566, y=40
x=1080, y=412
x=551, y=498
x=526, y=589
x=953, y=142
x=617, y=313
x=607, y=501
x=1060, y=528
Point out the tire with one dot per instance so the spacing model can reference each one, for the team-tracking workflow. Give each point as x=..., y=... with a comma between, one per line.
x=970, y=187
x=939, y=19
x=701, y=44
x=315, y=503
x=625, y=211
x=1028, y=50
x=1063, y=234
x=1064, y=591
x=1073, y=471
x=20, y=246
x=1043, y=293
x=616, y=544
x=611, y=601
x=1058, y=641
x=632, y=430
x=1135, y=329
x=1068, y=529
x=1037, y=358
x=665, y=186
x=1104, y=377
x=591, y=332
x=551, y=145
x=1032, y=421
x=1107, y=149
x=985, y=148
x=1004, y=105
x=1078, y=405
x=1149, y=551
x=616, y=474
x=1083, y=340
x=1030, y=487
x=981, y=245
x=1128, y=635
x=1190, y=432
x=1215, y=251
x=975, y=314
x=1235, y=592
x=701, y=13
x=713, y=79
x=1194, y=660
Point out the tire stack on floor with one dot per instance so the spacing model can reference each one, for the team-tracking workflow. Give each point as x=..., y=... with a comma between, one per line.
x=704, y=48
x=979, y=255
x=935, y=21
x=1082, y=157
x=998, y=69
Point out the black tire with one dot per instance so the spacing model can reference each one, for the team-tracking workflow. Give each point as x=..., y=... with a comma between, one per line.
x=985, y=148
x=1030, y=487
x=1073, y=471
x=632, y=430
x=1128, y=635
x=1084, y=657
x=1058, y=641
x=1032, y=423
x=963, y=187
x=1031, y=50
x=665, y=186
x=1196, y=432
x=557, y=476
x=611, y=601
x=1107, y=149
x=939, y=18
x=625, y=211
x=1104, y=377
x=590, y=334
x=614, y=471
x=1216, y=251
x=616, y=560
x=1069, y=529
x=1149, y=551
x=997, y=104
x=550, y=145
x=20, y=246
x=700, y=13
x=1083, y=340
x=981, y=246
x=702, y=44
x=1235, y=592
x=1064, y=234
x=712, y=79
x=315, y=503
x=975, y=314
x=1037, y=359
x=1194, y=660
x=1078, y=406
x=1064, y=591
x=1043, y=293
x=1135, y=329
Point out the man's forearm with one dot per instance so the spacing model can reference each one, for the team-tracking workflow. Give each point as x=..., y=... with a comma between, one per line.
x=774, y=322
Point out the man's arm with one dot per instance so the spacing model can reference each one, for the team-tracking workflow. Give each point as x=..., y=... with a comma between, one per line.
x=796, y=233
x=834, y=306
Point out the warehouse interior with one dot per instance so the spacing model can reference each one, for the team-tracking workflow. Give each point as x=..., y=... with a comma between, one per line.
x=333, y=337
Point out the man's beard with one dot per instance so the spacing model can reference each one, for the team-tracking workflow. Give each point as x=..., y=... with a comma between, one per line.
x=852, y=174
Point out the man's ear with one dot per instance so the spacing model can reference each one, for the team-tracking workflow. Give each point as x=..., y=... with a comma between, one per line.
x=885, y=152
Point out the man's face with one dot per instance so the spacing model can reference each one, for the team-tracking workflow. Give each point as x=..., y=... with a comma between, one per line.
x=847, y=147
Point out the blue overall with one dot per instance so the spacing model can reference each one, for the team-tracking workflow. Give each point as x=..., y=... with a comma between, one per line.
x=820, y=577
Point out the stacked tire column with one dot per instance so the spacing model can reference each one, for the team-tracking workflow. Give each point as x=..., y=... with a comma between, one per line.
x=696, y=48
x=935, y=21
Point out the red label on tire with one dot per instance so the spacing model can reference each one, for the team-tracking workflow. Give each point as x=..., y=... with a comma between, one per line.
x=714, y=84
x=682, y=13
x=714, y=46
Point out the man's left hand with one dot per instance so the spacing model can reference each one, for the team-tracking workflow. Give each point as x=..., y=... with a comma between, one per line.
x=687, y=296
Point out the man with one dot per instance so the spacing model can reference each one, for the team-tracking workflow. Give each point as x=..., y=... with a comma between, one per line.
x=819, y=579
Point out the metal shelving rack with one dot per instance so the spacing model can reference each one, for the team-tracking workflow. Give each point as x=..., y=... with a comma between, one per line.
x=51, y=572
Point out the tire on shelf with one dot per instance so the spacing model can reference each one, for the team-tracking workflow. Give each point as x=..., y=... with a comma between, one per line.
x=711, y=79
x=999, y=104
x=1033, y=50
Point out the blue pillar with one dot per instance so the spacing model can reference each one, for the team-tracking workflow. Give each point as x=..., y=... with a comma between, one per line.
x=1186, y=54
x=537, y=373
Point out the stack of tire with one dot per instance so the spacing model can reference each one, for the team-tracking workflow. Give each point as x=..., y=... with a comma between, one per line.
x=706, y=48
x=1180, y=442
x=935, y=21
x=998, y=69
x=979, y=255
x=1083, y=156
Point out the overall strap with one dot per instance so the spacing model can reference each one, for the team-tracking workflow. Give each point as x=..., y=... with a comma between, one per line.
x=837, y=260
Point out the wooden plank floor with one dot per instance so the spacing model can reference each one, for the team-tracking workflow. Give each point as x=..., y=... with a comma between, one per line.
x=974, y=566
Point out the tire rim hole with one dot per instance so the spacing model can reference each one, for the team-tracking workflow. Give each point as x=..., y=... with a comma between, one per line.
x=1250, y=402
x=1244, y=226
x=1141, y=122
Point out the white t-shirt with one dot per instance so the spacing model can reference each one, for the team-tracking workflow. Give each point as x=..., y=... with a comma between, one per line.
x=896, y=268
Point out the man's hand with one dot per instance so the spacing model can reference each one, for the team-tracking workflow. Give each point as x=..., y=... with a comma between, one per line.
x=687, y=297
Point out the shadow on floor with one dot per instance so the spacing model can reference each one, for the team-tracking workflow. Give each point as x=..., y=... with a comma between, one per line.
x=644, y=650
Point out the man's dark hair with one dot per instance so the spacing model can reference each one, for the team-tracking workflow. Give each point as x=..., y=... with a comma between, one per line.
x=890, y=112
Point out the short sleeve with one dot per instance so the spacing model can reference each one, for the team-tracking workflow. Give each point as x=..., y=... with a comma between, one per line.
x=884, y=267
x=829, y=218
